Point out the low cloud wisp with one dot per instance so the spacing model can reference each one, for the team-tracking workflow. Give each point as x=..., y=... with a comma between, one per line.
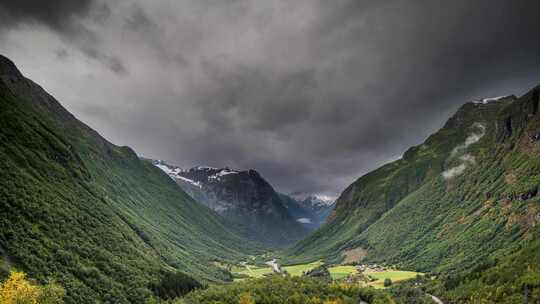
x=465, y=159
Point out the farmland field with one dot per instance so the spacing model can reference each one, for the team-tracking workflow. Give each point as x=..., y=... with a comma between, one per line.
x=336, y=272
x=340, y=272
x=252, y=271
x=300, y=269
x=394, y=275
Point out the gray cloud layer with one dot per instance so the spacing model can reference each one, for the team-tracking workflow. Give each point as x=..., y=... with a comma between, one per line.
x=63, y=17
x=312, y=93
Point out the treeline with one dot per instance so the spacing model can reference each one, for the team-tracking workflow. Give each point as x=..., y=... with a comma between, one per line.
x=292, y=290
x=17, y=288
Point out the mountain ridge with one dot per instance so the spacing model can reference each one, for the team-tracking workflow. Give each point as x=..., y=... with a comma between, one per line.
x=92, y=215
x=427, y=210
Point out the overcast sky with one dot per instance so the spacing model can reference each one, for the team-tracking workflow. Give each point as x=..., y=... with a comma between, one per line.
x=311, y=93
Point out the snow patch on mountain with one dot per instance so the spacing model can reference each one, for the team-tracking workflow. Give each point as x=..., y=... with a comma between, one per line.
x=222, y=173
x=488, y=100
x=172, y=171
x=194, y=183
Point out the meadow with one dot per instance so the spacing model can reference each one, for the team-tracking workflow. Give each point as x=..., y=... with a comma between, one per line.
x=250, y=271
x=337, y=272
x=300, y=269
x=342, y=271
x=395, y=275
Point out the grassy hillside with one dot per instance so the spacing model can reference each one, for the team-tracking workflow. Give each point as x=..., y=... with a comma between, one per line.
x=511, y=279
x=467, y=194
x=91, y=215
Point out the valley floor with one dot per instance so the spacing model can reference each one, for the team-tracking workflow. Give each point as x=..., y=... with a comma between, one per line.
x=374, y=276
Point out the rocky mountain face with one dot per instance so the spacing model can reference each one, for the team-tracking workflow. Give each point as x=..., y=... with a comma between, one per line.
x=91, y=215
x=242, y=196
x=469, y=193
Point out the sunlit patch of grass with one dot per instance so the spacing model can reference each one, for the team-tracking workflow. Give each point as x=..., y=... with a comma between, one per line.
x=340, y=272
x=253, y=271
x=394, y=275
x=300, y=269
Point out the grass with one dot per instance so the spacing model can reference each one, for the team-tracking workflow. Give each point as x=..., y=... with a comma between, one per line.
x=252, y=271
x=394, y=275
x=300, y=269
x=336, y=272
x=340, y=272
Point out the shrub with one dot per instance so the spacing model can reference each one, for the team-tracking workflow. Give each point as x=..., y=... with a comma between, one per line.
x=18, y=290
x=293, y=290
x=387, y=282
x=174, y=285
x=246, y=298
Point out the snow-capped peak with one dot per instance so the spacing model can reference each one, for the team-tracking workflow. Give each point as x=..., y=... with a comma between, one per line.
x=313, y=199
x=174, y=172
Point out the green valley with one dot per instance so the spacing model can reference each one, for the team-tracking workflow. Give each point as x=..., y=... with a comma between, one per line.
x=269, y=152
x=454, y=219
x=371, y=276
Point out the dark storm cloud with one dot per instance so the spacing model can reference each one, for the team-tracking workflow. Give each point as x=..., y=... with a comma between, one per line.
x=63, y=17
x=312, y=93
x=57, y=13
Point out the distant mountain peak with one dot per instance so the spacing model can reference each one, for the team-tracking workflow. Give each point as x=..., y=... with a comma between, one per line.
x=314, y=199
x=241, y=195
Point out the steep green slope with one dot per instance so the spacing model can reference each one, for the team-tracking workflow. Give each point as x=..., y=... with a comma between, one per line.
x=89, y=214
x=468, y=192
x=511, y=279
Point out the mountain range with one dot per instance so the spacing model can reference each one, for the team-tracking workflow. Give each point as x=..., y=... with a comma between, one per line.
x=245, y=197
